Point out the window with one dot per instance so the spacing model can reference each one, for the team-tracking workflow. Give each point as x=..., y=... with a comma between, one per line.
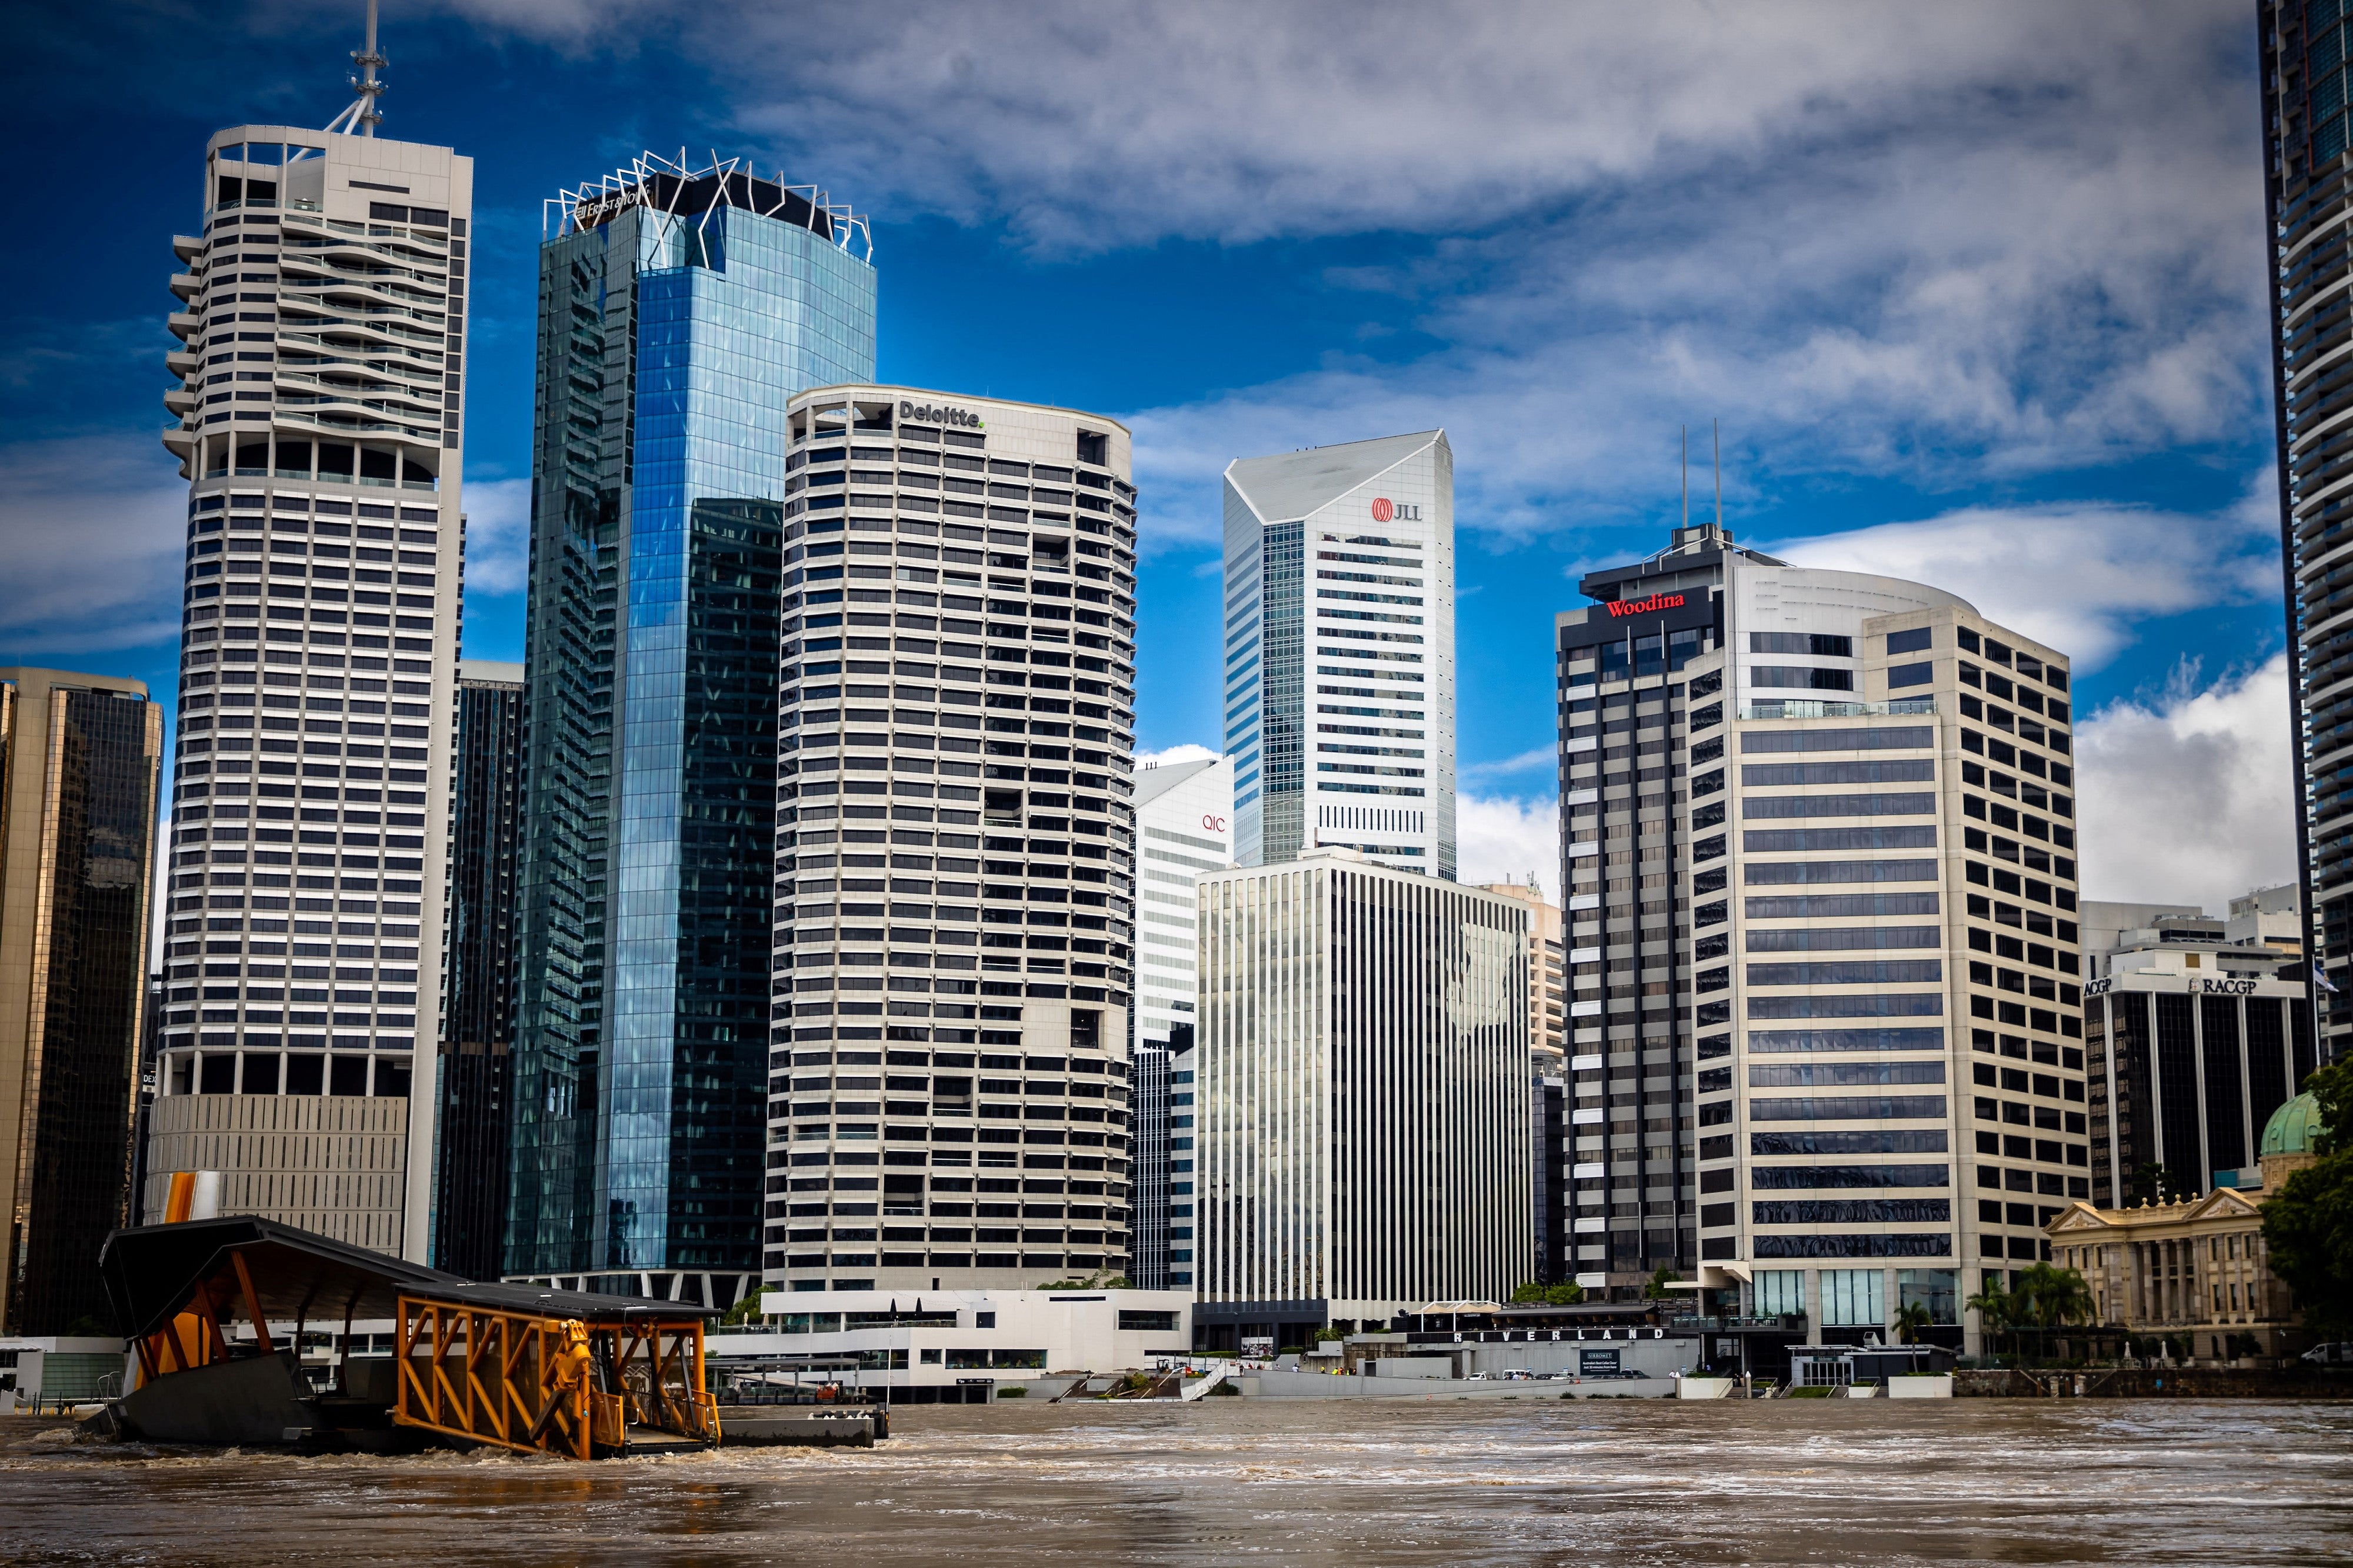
x=1900, y=675
x=1148, y=1322
x=1779, y=1290
x=1815, y=643
x=1854, y=1296
x=1916, y=640
x=1800, y=677
x=1935, y=1288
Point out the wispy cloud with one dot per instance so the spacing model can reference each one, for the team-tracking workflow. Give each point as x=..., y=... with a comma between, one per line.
x=1526, y=762
x=91, y=532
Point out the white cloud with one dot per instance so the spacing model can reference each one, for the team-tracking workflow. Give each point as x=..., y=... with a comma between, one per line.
x=1186, y=753
x=498, y=535
x=2075, y=576
x=1500, y=839
x=1541, y=757
x=92, y=532
x=2187, y=798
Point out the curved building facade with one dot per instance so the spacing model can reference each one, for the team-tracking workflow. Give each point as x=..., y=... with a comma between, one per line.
x=956, y=846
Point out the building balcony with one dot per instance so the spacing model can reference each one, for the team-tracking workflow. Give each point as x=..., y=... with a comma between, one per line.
x=1803, y=707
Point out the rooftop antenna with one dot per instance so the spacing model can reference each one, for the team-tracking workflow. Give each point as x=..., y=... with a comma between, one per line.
x=1686, y=471
x=361, y=116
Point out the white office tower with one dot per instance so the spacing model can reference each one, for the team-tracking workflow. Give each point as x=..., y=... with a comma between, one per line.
x=1339, y=673
x=1185, y=818
x=955, y=850
x=1825, y=966
x=323, y=329
x=1362, y=1082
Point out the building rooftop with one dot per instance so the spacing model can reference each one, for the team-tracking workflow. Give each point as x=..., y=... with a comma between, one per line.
x=1293, y=484
x=2293, y=1126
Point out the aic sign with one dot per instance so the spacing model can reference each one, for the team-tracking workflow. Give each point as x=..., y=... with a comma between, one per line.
x=1620, y=610
x=1388, y=511
x=937, y=414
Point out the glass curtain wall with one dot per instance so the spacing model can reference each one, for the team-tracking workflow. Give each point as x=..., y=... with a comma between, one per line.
x=669, y=348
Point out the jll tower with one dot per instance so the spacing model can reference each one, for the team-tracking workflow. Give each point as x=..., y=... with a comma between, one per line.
x=1339, y=674
x=322, y=368
x=681, y=310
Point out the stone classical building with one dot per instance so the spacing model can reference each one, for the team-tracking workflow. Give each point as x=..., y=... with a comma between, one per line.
x=2191, y=1280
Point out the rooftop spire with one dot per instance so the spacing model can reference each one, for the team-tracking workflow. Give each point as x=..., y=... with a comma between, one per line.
x=361, y=116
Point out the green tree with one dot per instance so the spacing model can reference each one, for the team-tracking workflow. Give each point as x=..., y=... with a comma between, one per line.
x=1657, y=1289
x=1568, y=1295
x=2309, y=1222
x=2047, y=1299
x=1910, y=1319
x=1996, y=1308
x=1528, y=1294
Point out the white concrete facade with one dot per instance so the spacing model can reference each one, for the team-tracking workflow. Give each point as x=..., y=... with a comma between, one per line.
x=1363, y=1088
x=955, y=850
x=869, y=1339
x=1184, y=815
x=1339, y=638
x=321, y=433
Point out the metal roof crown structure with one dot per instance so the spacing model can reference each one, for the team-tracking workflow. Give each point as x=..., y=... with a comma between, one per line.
x=1293, y=484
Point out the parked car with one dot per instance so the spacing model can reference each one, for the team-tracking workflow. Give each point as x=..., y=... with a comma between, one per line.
x=2338, y=1352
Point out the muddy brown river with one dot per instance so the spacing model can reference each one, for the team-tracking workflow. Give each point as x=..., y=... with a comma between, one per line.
x=1649, y=1482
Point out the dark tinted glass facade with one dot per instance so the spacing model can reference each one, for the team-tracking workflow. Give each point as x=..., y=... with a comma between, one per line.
x=2307, y=185
x=478, y=978
x=2181, y=1085
x=77, y=782
x=669, y=343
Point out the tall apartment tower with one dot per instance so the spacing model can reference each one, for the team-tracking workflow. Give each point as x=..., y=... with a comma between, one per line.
x=321, y=432
x=1363, y=1086
x=1185, y=818
x=679, y=310
x=2307, y=183
x=79, y=756
x=478, y=975
x=1825, y=962
x=956, y=846
x=1339, y=673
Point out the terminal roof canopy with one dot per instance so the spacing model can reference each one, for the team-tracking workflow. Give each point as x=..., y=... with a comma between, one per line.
x=1294, y=484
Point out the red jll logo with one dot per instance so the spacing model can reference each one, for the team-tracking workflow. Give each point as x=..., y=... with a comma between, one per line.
x=1656, y=601
x=1383, y=510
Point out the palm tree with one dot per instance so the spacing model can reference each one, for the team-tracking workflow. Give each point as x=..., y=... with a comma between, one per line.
x=1996, y=1308
x=2052, y=1298
x=1910, y=1319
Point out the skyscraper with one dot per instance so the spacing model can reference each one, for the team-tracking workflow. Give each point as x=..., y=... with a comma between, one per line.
x=1825, y=965
x=321, y=433
x=955, y=850
x=681, y=308
x=1339, y=673
x=1185, y=814
x=78, y=760
x=1363, y=1088
x=478, y=978
x=2307, y=179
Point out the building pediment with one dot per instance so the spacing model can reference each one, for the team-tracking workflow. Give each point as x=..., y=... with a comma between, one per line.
x=2223, y=1203
x=2079, y=1216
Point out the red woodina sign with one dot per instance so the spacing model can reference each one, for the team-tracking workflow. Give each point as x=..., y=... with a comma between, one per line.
x=1619, y=609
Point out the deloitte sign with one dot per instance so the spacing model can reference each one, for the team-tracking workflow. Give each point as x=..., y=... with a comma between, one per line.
x=937, y=414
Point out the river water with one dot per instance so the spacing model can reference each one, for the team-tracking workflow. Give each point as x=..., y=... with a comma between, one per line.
x=1586, y=1483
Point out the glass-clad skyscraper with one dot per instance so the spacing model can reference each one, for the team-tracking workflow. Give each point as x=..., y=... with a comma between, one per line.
x=679, y=310
x=2309, y=184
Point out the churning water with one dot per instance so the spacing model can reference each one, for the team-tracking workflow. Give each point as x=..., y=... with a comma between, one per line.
x=1586, y=1483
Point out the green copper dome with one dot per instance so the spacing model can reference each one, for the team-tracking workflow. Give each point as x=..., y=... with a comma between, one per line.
x=2291, y=1129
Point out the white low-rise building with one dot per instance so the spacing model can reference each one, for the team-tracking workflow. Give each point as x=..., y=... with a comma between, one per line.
x=921, y=1346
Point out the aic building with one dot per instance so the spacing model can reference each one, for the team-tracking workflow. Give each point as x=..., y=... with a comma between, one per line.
x=1185, y=820
x=1824, y=951
x=955, y=905
x=679, y=310
x=321, y=370
x=1363, y=1095
x=79, y=761
x=1339, y=673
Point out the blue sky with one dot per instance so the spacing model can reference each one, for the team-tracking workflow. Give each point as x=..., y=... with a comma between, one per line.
x=1975, y=292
